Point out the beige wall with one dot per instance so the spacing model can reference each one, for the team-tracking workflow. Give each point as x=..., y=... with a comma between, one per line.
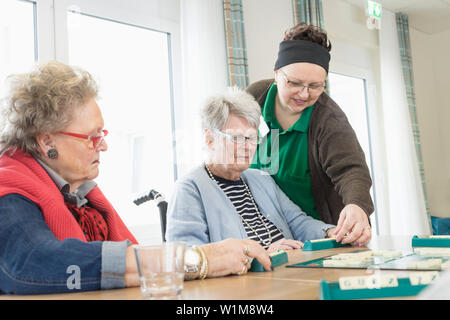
x=348, y=22
x=431, y=66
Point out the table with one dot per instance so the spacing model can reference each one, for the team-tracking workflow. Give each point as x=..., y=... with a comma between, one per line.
x=281, y=284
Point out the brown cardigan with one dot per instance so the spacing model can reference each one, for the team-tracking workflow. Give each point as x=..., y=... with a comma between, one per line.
x=339, y=173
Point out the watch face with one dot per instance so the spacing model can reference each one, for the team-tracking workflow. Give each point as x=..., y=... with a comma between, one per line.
x=191, y=257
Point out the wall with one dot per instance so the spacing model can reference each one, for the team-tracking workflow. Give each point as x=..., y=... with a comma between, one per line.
x=431, y=68
x=264, y=34
x=348, y=23
x=204, y=73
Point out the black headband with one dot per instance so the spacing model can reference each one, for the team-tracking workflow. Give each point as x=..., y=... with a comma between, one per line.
x=292, y=51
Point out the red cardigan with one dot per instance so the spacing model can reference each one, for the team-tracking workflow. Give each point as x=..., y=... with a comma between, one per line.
x=20, y=173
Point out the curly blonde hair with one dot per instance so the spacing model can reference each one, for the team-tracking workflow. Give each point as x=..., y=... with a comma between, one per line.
x=42, y=101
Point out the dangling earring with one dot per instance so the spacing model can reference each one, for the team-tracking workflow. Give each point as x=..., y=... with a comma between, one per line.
x=52, y=153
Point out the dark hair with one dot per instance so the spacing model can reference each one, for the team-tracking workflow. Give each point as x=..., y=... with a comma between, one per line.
x=303, y=31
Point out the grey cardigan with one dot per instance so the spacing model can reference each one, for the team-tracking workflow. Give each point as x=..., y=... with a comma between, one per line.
x=339, y=173
x=199, y=212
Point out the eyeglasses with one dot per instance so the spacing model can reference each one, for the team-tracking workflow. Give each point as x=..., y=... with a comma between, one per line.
x=96, y=140
x=239, y=139
x=312, y=88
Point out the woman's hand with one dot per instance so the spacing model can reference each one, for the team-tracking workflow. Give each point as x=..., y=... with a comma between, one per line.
x=353, y=226
x=285, y=244
x=234, y=256
x=131, y=276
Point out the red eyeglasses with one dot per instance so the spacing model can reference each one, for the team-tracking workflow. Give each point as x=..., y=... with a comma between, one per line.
x=96, y=140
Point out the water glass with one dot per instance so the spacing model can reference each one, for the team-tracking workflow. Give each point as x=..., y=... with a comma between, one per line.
x=161, y=270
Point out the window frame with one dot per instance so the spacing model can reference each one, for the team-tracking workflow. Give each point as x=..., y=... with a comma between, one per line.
x=367, y=77
x=132, y=13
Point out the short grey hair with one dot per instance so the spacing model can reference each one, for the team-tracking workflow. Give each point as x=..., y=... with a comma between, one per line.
x=41, y=101
x=234, y=101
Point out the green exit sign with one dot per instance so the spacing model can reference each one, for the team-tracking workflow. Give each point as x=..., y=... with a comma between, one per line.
x=374, y=9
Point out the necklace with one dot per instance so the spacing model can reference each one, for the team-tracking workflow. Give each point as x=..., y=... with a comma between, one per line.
x=265, y=242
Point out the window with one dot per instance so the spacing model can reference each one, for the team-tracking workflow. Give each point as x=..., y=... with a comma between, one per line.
x=17, y=38
x=133, y=69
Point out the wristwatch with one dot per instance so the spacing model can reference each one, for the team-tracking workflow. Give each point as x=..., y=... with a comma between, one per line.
x=192, y=264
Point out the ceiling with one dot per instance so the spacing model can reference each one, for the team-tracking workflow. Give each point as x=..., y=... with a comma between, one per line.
x=428, y=16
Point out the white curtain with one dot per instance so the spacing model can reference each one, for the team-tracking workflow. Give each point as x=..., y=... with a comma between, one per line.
x=204, y=72
x=406, y=214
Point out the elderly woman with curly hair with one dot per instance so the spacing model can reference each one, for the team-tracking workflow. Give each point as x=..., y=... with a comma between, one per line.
x=54, y=217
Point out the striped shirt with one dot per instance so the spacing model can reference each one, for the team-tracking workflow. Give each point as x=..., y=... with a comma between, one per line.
x=238, y=195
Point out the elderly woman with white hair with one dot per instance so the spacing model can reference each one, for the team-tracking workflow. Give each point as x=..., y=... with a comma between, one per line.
x=222, y=198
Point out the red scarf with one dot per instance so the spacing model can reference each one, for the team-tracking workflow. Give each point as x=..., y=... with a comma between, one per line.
x=91, y=222
x=20, y=173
